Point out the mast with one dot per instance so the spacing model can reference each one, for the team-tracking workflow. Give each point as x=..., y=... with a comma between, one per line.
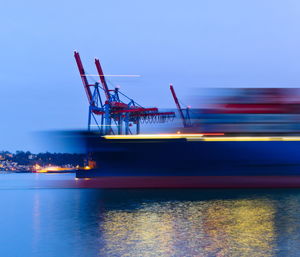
x=178, y=106
x=102, y=79
x=83, y=76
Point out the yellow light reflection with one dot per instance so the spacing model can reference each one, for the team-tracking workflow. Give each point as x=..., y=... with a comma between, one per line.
x=202, y=228
x=153, y=136
x=251, y=139
x=201, y=137
x=240, y=228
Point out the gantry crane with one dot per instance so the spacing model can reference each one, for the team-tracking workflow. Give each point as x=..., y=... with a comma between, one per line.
x=112, y=111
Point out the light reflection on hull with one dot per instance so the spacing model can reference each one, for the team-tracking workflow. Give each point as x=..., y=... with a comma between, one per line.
x=208, y=162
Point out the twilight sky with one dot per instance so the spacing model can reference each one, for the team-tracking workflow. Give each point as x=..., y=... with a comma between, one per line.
x=192, y=44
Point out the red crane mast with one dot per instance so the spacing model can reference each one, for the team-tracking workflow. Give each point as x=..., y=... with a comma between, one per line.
x=178, y=106
x=83, y=76
x=102, y=79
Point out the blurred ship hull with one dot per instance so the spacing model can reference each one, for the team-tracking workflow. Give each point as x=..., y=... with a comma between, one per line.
x=173, y=182
x=191, y=162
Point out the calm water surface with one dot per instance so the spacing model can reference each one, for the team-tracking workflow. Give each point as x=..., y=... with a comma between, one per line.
x=43, y=221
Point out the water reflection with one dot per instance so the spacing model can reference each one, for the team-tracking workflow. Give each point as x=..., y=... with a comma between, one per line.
x=240, y=228
x=91, y=222
x=194, y=228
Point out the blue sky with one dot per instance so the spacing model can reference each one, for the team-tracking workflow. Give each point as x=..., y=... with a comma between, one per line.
x=192, y=44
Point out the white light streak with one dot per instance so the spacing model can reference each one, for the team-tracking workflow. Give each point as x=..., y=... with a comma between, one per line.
x=110, y=75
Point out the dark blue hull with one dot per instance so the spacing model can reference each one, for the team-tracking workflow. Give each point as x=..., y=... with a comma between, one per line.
x=181, y=159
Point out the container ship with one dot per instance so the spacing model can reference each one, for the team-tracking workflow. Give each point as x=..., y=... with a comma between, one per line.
x=193, y=161
x=249, y=138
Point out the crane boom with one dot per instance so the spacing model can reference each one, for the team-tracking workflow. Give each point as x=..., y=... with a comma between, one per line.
x=113, y=110
x=178, y=106
x=83, y=76
x=102, y=79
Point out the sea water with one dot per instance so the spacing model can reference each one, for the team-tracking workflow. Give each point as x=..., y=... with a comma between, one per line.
x=48, y=221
